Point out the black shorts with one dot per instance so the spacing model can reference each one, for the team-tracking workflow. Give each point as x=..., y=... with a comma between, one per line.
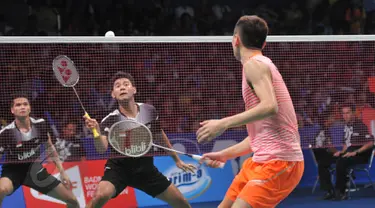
x=30, y=175
x=139, y=173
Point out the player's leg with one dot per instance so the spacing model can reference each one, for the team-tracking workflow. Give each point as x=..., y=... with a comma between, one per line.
x=147, y=178
x=60, y=192
x=226, y=203
x=269, y=184
x=6, y=188
x=237, y=185
x=173, y=197
x=113, y=182
x=39, y=179
x=104, y=192
x=240, y=203
x=10, y=180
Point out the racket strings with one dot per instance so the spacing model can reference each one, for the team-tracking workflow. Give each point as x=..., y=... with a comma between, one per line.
x=132, y=140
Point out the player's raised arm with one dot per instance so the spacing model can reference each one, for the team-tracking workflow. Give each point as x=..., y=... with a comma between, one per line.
x=101, y=142
x=259, y=76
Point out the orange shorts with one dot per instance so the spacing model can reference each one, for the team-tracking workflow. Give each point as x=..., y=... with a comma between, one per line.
x=264, y=185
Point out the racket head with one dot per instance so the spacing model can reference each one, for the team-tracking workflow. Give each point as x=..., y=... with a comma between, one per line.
x=65, y=71
x=130, y=138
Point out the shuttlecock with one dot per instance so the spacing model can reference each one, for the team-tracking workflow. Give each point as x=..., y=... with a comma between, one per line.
x=110, y=34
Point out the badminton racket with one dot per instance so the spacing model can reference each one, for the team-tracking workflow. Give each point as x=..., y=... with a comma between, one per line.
x=134, y=139
x=67, y=74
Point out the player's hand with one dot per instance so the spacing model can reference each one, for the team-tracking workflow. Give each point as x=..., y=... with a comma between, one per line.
x=66, y=181
x=91, y=123
x=350, y=154
x=185, y=167
x=209, y=130
x=213, y=159
x=337, y=154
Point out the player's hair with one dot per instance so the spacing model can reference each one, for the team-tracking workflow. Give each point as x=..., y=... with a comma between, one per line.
x=252, y=30
x=120, y=75
x=18, y=94
x=348, y=105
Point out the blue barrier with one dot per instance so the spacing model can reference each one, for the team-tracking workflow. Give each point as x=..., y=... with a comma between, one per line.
x=205, y=185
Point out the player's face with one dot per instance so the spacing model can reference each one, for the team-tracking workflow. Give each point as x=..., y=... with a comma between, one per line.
x=21, y=107
x=347, y=114
x=123, y=90
x=235, y=45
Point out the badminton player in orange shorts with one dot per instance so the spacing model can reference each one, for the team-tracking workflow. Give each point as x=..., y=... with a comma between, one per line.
x=277, y=164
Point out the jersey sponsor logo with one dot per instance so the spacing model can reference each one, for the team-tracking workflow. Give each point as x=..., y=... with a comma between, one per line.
x=190, y=184
x=28, y=154
x=136, y=149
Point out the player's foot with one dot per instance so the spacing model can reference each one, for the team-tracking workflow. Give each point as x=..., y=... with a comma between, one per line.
x=329, y=195
x=341, y=196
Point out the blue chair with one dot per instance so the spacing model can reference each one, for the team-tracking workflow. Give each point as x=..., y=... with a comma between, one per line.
x=361, y=168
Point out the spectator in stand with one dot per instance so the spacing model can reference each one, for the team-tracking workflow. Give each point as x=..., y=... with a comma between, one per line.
x=69, y=146
x=357, y=149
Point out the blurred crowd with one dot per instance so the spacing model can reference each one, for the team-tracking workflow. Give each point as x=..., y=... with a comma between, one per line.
x=190, y=82
x=182, y=17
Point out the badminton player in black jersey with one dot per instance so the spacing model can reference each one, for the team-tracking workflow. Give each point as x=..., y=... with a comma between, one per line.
x=139, y=173
x=21, y=142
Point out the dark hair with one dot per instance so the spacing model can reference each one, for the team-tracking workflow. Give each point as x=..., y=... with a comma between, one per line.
x=252, y=30
x=16, y=95
x=348, y=105
x=120, y=75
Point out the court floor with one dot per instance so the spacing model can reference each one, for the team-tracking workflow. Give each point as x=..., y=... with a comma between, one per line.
x=364, y=198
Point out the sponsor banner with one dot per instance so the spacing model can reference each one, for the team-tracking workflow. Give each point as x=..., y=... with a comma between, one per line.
x=85, y=177
x=205, y=184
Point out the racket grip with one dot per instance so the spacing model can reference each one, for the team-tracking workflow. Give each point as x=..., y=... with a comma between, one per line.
x=198, y=158
x=94, y=131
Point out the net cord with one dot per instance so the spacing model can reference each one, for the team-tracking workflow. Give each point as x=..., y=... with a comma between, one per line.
x=177, y=39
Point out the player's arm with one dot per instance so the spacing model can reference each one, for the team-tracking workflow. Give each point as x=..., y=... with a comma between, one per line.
x=237, y=150
x=101, y=142
x=259, y=75
x=54, y=155
x=166, y=140
x=179, y=163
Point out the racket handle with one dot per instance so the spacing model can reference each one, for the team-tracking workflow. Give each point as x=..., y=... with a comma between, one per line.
x=94, y=131
x=198, y=158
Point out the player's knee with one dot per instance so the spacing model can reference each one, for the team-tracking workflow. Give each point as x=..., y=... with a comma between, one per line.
x=5, y=190
x=6, y=187
x=72, y=203
x=103, y=194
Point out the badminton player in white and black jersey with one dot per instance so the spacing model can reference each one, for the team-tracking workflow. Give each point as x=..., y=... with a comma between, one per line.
x=21, y=141
x=139, y=173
